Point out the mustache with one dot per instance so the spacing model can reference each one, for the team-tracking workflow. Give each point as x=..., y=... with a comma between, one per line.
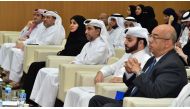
x=126, y=46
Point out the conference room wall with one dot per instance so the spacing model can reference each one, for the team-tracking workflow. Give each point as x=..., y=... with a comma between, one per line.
x=15, y=14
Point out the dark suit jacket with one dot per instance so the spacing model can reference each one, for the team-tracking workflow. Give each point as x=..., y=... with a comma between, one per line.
x=166, y=80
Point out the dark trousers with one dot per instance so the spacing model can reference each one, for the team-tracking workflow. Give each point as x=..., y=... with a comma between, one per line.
x=101, y=101
x=30, y=78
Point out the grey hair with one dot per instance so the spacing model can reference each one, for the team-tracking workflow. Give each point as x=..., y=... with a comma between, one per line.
x=173, y=36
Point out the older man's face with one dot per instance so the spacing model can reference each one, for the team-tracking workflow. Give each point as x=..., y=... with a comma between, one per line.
x=157, y=41
x=49, y=21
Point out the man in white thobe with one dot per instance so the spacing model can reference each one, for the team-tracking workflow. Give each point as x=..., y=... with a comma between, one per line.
x=52, y=34
x=185, y=22
x=184, y=49
x=135, y=45
x=96, y=51
x=116, y=22
x=104, y=18
x=29, y=31
x=129, y=22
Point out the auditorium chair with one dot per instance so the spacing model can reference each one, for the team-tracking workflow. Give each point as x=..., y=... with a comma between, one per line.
x=119, y=52
x=5, y=36
x=147, y=102
x=31, y=53
x=82, y=76
x=67, y=75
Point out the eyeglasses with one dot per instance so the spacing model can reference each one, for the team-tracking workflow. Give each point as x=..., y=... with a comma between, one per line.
x=155, y=36
x=126, y=30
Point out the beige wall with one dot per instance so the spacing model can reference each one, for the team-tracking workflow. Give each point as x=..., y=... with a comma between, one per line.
x=14, y=15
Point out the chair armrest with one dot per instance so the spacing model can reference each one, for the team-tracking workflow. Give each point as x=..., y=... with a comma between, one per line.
x=82, y=77
x=146, y=102
x=12, y=38
x=64, y=42
x=55, y=61
x=112, y=60
x=6, y=36
x=109, y=89
x=119, y=52
x=188, y=72
x=29, y=53
x=67, y=76
x=3, y=33
x=41, y=55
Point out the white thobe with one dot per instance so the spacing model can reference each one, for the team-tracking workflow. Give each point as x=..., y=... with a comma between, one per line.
x=79, y=100
x=183, y=99
x=24, y=31
x=184, y=37
x=45, y=88
x=93, y=53
x=116, y=37
x=117, y=69
x=46, y=35
x=5, y=48
x=16, y=68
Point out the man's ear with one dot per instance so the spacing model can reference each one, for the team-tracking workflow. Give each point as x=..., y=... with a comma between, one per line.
x=98, y=31
x=141, y=42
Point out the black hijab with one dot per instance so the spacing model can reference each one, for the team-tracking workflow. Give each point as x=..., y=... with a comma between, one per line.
x=170, y=11
x=150, y=21
x=132, y=8
x=140, y=18
x=177, y=26
x=76, y=40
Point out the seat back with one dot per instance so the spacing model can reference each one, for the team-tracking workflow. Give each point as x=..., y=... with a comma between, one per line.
x=119, y=52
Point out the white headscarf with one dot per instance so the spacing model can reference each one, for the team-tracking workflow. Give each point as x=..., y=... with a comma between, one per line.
x=58, y=24
x=58, y=20
x=134, y=21
x=138, y=32
x=119, y=19
x=186, y=17
x=40, y=11
x=103, y=34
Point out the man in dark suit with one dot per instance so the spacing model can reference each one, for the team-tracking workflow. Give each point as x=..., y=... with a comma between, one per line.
x=163, y=75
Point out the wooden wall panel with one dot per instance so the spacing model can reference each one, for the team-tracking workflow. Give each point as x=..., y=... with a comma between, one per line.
x=15, y=14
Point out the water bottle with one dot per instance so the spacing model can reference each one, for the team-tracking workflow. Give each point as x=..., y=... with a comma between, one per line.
x=1, y=88
x=22, y=98
x=1, y=103
x=8, y=93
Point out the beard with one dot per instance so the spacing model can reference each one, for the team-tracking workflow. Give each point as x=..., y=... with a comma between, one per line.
x=89, y=38
x=131, y=49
